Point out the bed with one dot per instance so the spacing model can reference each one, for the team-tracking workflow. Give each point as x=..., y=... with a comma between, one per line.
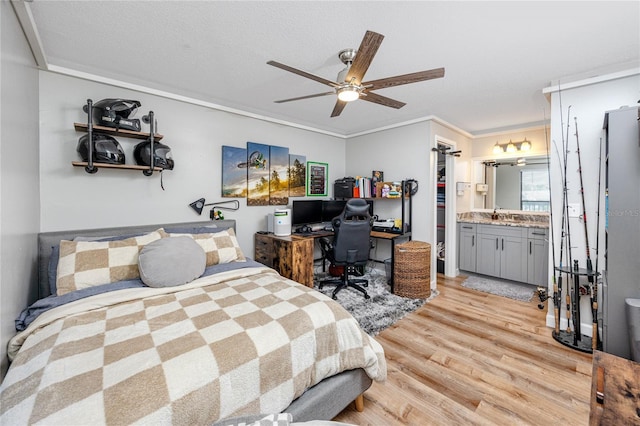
x=122, y=338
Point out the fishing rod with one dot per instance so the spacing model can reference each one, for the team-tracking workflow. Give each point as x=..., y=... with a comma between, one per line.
x=557, y=293
x=594, y=288
x=584, y=206
x=565, y=225
x=573, y=293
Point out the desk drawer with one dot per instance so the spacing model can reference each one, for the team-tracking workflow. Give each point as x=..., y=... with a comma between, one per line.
x=264, y=252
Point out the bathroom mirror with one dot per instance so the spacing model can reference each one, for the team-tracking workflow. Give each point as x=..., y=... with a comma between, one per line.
x=513, y=184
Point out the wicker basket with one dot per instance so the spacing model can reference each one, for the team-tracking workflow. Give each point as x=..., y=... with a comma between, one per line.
x=412, y=269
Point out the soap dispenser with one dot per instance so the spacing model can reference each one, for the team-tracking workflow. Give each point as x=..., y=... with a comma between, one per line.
x=494, y=215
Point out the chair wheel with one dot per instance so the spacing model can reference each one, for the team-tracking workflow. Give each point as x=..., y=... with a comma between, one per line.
x=334, y=297
x=366, y=296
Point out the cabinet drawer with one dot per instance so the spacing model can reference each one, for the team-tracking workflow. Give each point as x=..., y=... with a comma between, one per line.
x=467, y=227
x=538, y=233
x=502, y=230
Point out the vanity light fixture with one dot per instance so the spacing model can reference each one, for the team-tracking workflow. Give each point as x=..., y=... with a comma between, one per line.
x=511, y=147
x=497, y=149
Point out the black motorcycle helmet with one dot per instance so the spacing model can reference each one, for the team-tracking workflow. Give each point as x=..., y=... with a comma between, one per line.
x=106, y=149
x=115, y=113
x=161, y=155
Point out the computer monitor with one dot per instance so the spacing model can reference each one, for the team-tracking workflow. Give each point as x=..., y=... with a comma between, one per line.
x=304, y=212
x=332, y=208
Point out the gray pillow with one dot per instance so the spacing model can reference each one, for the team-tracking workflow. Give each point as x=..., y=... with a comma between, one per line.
x=171, y=262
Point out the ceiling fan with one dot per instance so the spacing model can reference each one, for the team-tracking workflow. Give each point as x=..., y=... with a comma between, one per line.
x=349, y=85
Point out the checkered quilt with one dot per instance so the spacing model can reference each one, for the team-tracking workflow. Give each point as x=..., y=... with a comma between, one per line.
x=235, y=343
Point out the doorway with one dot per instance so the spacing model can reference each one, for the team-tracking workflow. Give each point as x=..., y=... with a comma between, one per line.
x=441, y=207
x=445, y=209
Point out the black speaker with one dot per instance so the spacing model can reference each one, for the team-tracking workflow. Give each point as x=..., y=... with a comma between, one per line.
x=343, y=188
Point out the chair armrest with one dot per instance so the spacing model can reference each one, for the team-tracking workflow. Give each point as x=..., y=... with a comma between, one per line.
x=326, y=245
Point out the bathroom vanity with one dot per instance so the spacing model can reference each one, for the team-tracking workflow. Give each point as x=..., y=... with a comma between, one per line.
x=511, y=245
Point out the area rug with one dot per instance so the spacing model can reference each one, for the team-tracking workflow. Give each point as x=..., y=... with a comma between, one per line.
x=510, y=289
x=383, y=308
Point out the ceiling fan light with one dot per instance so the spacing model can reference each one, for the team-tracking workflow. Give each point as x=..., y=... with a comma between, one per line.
x=348, y=94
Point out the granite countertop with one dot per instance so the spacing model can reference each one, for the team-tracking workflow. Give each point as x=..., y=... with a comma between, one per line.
x=506, y=218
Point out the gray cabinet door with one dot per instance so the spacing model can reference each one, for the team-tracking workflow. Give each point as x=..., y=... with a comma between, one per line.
x=467, y=248
x=488, y=255
x=537, y=262
x=513, y=259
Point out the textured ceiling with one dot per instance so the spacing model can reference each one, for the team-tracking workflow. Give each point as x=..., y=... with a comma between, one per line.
x=498, y=56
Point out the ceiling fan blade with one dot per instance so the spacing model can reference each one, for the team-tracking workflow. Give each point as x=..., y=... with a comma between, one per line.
x=404, y=79
x=303, y=73
x=337, y=110
x=382, y=100
x=367, y=50
x=305, y=97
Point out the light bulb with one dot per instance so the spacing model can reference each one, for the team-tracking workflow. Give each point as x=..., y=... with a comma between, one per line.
x=497, y=149
x=348, y=94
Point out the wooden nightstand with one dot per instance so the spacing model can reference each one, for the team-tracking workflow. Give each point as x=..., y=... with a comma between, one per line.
x=291, y=256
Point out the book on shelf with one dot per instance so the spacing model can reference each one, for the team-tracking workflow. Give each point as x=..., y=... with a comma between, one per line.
x=376, y=176
x=362, y=188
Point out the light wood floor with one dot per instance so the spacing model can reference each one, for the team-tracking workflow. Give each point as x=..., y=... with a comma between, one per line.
x=468, y=358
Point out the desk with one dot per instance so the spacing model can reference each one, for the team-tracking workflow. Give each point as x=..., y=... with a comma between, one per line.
x=292, y=255
x=618, y=381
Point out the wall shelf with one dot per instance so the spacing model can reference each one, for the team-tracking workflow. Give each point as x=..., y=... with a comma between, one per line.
x=91, y=166
x=80, y=127
x=114, y=166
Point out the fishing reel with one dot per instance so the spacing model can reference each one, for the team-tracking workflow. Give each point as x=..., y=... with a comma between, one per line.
x=543, y=296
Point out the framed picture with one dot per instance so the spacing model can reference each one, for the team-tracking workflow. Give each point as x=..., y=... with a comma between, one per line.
x=317, y=179
x=234, y=172
x=278, y=179
x=257, y=165
x=297, y=175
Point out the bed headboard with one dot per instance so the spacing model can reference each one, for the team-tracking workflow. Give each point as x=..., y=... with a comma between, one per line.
x=47, y=240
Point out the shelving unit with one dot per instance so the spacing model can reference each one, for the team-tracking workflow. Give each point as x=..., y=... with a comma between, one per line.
x=406, y=215
x=92, y=167
x=114, y=166
x=84, y=127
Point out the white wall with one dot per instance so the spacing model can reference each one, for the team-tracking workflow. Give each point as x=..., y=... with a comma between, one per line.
x=588, y=104
x=74, y=199
x=404, y=153
x=19, y=192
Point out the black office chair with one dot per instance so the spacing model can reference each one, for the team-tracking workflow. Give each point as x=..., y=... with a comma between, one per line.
x=350, y=245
